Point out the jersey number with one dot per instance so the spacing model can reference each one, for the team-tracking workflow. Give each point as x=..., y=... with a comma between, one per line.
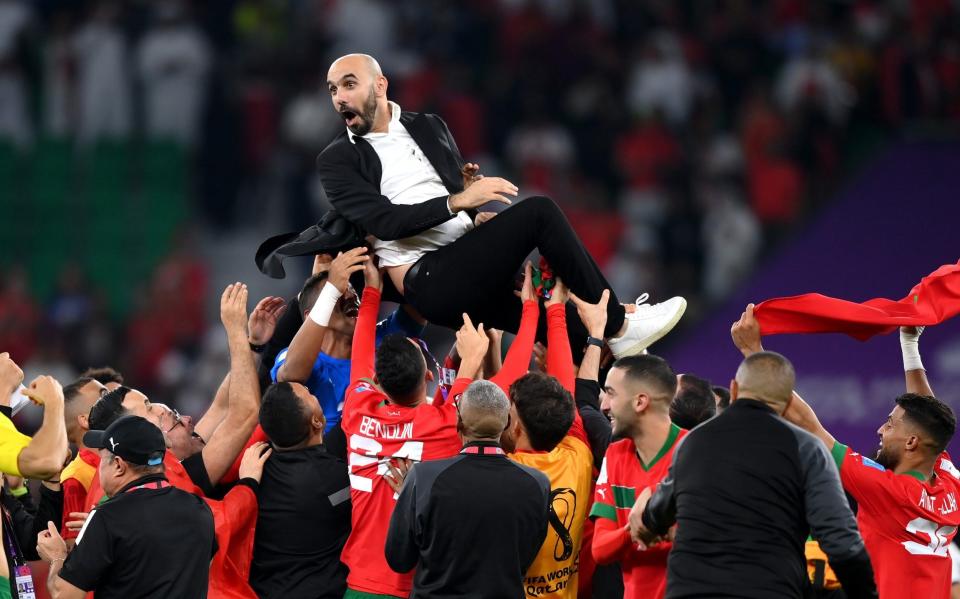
x=939, y=537
x=365, y=451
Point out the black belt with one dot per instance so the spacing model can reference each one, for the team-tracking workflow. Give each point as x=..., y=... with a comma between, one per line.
x=410, y=276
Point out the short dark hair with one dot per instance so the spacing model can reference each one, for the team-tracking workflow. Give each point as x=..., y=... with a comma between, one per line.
x=694, y=402
x=724, y=394
x=311, y=290
x=72, y=391
x=399, y=366
x=103, y=375
x=652, y=370
x=108, y=409
x=545, y=408
x=282, y=416
x=933, y=416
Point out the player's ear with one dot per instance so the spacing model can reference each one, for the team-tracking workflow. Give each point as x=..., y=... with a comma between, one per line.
x=641, y=401
x=912, y=443
x=734, y=390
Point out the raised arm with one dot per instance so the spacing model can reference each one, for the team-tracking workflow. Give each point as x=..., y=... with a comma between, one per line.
x=243, y=396
x=363, y=354
x=587, y=395
x=913, y=369
x=217, y=411
x=44, y=455
x=307, y=343
x=746, y=336
x=517, y=362
x=559, y=356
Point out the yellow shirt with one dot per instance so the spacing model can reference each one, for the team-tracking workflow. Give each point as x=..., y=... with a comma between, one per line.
x=569, y=467
x=12, y=443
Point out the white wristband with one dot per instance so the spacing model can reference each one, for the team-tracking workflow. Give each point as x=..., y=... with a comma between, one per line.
x=910, y=347
x=325, y=304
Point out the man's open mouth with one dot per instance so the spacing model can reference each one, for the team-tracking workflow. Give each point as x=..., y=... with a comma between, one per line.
x=350, y=117
x=350, y=307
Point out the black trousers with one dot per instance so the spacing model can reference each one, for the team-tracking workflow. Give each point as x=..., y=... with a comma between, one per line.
x=476, y=273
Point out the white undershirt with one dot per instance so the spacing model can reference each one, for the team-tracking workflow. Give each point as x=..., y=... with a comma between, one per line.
x=409, y=178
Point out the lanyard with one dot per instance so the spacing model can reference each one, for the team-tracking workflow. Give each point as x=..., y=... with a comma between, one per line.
x=10, y=539
x=483, y=450
x=157, y=484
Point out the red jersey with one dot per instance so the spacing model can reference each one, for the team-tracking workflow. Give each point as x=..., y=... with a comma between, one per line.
x=378, y=430
x=76, y=480
x=173, y=470
x=622, y=477
x=907, y=522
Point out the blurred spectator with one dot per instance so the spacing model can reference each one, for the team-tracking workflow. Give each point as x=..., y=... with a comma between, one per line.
x=661, y=82
x=59, y=79
x=173, y=61
x=15, y=19
x=19, y=315
x=103, y=80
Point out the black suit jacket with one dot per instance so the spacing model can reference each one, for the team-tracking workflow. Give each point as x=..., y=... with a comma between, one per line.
x=351, y=173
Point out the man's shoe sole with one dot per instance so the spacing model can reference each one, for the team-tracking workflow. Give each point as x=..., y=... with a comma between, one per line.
x=639, y=347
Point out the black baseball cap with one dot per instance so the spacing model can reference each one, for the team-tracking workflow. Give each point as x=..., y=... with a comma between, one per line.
x=133, y=438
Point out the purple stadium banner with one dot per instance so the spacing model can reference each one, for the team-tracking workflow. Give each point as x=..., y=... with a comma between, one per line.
x=898, y=221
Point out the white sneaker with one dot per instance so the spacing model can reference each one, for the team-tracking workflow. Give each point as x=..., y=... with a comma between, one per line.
x=647, y=325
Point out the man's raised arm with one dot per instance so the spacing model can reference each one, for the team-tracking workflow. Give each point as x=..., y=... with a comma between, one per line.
x=307, y=343
x=364, y=351
x=913, y=370
x=746, y=336
x=243, y=395
x=517, y=362
x=44, y=455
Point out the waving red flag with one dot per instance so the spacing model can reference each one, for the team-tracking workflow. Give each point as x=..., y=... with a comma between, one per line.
x=933, y=300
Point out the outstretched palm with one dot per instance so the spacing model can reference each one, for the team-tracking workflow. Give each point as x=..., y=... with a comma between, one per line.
x=263, y=319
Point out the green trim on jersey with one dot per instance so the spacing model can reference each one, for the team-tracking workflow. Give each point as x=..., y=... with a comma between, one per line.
x=603, y=510
x=917, y=475
x=5, y=592
x=667, y=445
x=623, y=497
x=838, y=452
x=352, y=594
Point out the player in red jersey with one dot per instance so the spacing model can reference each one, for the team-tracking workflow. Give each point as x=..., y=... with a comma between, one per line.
x=385, y=417
x=637, y=395
x=908, y=512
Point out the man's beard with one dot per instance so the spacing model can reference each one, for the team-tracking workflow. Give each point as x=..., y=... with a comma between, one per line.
x=367, y=115
x=887, y=458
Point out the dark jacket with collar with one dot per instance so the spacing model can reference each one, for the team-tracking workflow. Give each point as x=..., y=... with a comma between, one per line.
x=745, y=488
x=350, y=171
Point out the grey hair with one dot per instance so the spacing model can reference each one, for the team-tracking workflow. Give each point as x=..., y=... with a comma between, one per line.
x=484, y=409
x=485, y=397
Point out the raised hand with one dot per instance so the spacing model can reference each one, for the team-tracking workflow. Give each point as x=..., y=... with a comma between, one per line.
x=527, y=292
x=44, y=391
x=371, y=275
x=321, y=263
x=746, y=333
x=251, y=466
x=593, y=316
x=481, y=191
x=10, y=375
x=233, y=309
x=263, y=319
x=472, y=342
x=345, y=264
x=559, y=294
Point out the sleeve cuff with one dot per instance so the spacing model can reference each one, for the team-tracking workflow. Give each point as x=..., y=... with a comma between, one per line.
x=839, y=452
x=6, y=411
x=603, y=510
x=249, y=482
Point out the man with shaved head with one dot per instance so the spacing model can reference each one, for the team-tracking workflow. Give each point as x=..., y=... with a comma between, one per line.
x=745, y=489
x=478, y=503
x=398, y=178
